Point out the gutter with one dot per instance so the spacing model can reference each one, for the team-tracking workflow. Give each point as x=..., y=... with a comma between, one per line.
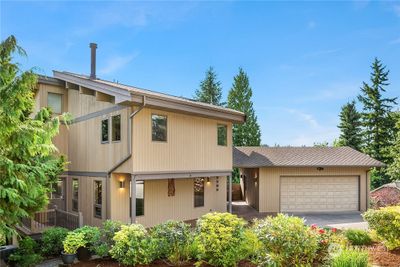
x=127, y=157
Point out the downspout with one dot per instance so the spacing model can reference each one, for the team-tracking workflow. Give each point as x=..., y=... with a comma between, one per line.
x=127, y=157
x=368, y=185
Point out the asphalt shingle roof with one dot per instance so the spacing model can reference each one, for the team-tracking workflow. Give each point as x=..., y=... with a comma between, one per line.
x=254, y=157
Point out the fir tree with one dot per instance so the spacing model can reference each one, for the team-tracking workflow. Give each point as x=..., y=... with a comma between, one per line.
x=28, y=164
x=239, y=98
x=350, y=127
x=210, y=90
x=377, y=119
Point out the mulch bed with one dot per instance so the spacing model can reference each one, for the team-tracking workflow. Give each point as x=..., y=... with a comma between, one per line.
x=380, y=256
x=111, y=263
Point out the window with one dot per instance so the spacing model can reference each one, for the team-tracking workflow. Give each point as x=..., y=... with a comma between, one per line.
x=98, y=199
x=58, y=189
x=159, y=128
x=75, y=194
x=198, y=192
x=54, y=101
x=104, y=131
x=139, y=199
x=222, y=134
x=116, y=128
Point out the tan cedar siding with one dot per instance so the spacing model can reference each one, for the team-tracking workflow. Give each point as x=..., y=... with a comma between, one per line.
x=270, y=183
x=251, y=186
x=86, y=198
x=160, y=207
x=86, y=152
x=61, y=140
x=191, y=144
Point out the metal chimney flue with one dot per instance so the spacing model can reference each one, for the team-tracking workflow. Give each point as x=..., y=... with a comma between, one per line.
x=93, y=47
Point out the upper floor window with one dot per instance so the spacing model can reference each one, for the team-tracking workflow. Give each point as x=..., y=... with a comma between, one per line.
x=75, y=194
x=104, y=131
x=222, y=134
x=116, y=128
x=54, y=101
x=98, y=199
x=158, y=128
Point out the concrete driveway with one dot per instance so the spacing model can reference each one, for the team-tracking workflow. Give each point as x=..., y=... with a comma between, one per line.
x=342, y=220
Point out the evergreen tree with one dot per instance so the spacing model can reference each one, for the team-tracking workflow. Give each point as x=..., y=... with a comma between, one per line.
x=377, y=119
x=393, y=169
x=350, y=127
x=239, y=98
x=210, y=90
x=28, y=164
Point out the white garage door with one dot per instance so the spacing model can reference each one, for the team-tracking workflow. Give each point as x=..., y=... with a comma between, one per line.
x=318, y=194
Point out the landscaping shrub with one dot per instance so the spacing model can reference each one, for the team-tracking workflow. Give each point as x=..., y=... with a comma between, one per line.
x=221, y=239
x=386, y=223
x=350, y=258
x=105, y=242
x=73, y=241
x=91, y=235
x=329, y=241
x=358, y=237
x=52, y=239
x=174, y=241
x=285, y=241
x=25, y=255
x=133, y=245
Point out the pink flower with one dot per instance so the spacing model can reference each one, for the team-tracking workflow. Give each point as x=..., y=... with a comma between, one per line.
x=313, y=226
x=321, y=231
x=334, y=230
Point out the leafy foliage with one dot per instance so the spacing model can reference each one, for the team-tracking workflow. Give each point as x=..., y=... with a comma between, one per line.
x=386, y=223
x=377, y=119
x=221, y=239
x=91, y=235
x=174, y=241
x=106, y=241
x=25, y=255
x=394, y=168
x=52, y=240
x=73, y=241
x=350, y=257
x=358, y=237
x=350, y=127
x=210, y=90
x=286, y=241
x=133, y=245
x=28, y=164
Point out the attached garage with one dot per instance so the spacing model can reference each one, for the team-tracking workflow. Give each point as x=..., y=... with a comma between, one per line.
x=304, y=179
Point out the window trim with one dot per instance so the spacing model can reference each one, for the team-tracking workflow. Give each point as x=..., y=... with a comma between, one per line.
x=151, y=126
x=204, y=193
x=120, y=128
x=72, y=195
x=95, y=205
x=226, y=137
x=61, y=104
x=108, y=131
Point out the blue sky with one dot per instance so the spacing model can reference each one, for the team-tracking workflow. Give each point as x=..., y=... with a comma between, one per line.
x=304, y=59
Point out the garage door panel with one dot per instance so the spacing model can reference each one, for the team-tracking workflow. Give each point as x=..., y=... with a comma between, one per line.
x=316, y=194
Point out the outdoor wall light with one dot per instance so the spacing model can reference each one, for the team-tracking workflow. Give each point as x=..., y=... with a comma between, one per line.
x=208, y=180
x=320, y=168
x=121, y=184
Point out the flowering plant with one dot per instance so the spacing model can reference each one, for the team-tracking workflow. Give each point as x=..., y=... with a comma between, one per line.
x=328, y=241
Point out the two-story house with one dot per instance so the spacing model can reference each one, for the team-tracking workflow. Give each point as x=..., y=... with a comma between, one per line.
x=138, y=155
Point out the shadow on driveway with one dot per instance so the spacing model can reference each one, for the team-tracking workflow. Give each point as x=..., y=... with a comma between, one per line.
x=340, y=220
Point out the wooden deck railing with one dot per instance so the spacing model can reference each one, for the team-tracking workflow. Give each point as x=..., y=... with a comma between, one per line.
x=50, y=218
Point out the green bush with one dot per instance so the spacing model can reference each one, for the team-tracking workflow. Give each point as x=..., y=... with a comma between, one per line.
x=105, y=242
x=52, y=239
x=386, y=223
x=358, y=237
x=285, y=241
x=350, y=258
x=174, y=241
x=73, y=241
x=91, y=235
x=133, y=245
x=221, y=239
x=25, y=255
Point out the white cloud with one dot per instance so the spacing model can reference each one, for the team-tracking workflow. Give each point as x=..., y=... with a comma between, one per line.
x=115, y=63
x=308, y=118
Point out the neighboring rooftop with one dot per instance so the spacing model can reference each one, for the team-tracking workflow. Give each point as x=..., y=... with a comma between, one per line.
x=395, y=185
x=255, y=157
